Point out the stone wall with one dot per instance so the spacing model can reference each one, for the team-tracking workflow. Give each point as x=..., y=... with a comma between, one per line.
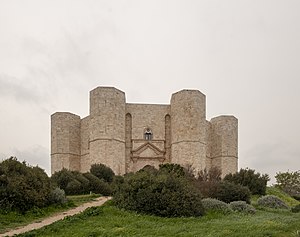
x=65, y=141
x=224, y=143
x=188, y=126
x=114, y=134
x=107, y=128
x=143, y=117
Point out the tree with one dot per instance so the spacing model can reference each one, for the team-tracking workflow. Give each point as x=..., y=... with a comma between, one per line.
x=22, y=187
x=256, y=182
x=289, y=182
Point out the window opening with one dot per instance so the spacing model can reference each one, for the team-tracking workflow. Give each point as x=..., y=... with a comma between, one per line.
x=148, y=134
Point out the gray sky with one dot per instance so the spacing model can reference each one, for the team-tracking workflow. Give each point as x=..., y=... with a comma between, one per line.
x=244, y=55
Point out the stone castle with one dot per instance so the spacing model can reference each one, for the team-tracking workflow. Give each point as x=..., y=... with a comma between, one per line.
x=126, y=136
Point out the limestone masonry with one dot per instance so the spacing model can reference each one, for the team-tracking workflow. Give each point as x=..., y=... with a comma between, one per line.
x=126, y=137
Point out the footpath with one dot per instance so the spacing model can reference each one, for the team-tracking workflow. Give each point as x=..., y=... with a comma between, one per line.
x=56, y=217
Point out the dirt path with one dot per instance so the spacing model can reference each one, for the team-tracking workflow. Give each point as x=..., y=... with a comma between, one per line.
x=36, y=225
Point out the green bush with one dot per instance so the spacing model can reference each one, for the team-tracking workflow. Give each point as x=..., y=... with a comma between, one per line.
x=57, y=196
x=74, y=187
x=212, y=175
x=97, y=185
x=22, y=187
x=229, y=192
x=117, y=182
x=104, y=188
x=85, y=183
x=296, y=209
x=149, y=168
x=102, y=172
x=164, y=194
x=211, y=204
x=243, y=207
x=208, y=181
x=289, y=182
x=173, y=169
x=208, y=189
x=75, y=183
x=62, y=178
x=271, y=201
x=256, y=182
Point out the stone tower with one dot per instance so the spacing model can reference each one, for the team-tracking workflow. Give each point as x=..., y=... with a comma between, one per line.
x=188, y=143
x=65, y=141
x=126, y=137
x=107, y=128
x=224, y=143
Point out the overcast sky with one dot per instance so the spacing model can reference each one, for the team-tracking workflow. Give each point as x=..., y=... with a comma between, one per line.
x=243, y=55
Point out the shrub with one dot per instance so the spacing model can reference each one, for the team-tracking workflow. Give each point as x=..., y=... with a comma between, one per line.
x=117, y=182
x=229, y=192
x=149, y=169
x=104, y=188
x=256, y=182
x=74, y=188
x=97, y=185
x=242, y=206
x=211, y=204
x=164, y=194
x=211, y=175
x=207, y=181
x=102, y=172
x=271, y=201
x=22, y=187
x=62, y=178
x=208, y=189
x=289, y=182
x=174, y=169
x=85, y=183
x=57, y=196
x=296, y=209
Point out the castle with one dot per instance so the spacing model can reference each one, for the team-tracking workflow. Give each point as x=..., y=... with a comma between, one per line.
x=126, y=136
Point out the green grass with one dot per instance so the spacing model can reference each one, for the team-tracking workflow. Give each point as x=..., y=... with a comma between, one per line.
x=12, y=220
x=283, y=196
x=80, y=199
x=111, y=221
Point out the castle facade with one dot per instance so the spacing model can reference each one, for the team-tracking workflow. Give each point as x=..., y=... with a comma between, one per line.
x=126, y=136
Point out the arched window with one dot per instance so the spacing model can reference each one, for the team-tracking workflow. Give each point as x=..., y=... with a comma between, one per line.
x=148, y=135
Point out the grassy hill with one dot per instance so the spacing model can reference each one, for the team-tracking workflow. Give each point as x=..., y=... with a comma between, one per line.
x=110, y=221
x=13, y=220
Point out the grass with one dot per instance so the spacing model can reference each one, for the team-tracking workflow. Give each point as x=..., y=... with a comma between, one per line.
x=80, y=199
x=12, y=220
x=111, y=221
x=282, y=195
